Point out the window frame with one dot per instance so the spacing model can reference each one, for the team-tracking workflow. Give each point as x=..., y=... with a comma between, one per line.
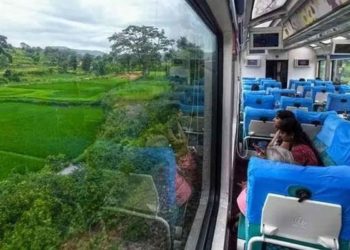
x=213, y=189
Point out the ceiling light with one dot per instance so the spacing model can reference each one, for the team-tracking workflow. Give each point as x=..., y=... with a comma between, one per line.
x=328, y=41
x=339, y=38
x=313, y=45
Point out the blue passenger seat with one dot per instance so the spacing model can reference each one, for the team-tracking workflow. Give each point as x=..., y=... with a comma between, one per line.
x=338, y=102
x=295, y=103
x=328, y=185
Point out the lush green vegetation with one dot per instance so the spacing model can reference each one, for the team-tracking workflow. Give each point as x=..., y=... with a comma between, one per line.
x=42, y=130
x=59, y=108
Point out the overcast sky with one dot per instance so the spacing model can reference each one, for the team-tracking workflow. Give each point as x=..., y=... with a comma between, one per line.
x=86, y=24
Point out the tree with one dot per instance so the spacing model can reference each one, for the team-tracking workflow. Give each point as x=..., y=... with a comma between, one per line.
x=86, y=62
x=99, y=66
x=4, y=46
x=142, y=42
x=73, y=61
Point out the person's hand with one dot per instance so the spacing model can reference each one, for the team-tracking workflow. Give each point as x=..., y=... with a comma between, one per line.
x=261, y=154
x=259, y=151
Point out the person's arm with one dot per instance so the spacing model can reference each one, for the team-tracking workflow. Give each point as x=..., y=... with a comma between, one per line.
x=275, y=139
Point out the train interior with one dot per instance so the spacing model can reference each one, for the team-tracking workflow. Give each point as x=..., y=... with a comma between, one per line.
x=146, y=124
x=290, y=55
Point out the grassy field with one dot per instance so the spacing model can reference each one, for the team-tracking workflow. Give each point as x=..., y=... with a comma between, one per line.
x=85, y=90
x=31, y=131
x=41, y=130
x=17, y=163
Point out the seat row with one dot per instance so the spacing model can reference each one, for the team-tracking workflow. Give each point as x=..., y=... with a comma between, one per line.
x=337, y=102
x=277, y=212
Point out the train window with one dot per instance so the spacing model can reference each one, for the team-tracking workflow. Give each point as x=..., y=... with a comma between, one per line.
x=105, y=115
x=341, y=71
x=263, y=7
x=322, y=69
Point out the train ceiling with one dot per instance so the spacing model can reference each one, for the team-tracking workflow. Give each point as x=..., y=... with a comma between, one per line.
x=304, y=22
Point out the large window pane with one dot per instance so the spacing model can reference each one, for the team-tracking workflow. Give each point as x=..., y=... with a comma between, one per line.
x=341, y=71
x=105, y=113
x=322, y=69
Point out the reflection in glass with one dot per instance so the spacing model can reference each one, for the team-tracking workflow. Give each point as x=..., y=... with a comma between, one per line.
x=105, y=113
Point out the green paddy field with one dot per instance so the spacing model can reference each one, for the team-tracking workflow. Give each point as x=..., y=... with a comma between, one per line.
x=58, y=117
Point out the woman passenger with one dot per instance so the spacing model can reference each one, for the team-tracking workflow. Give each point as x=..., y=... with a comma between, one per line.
x=294, y=139
x=280, y=116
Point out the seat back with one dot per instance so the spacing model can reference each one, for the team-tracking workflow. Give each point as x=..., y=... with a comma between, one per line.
x=277, y=93
x=258, y=101
x=325, y=184
x=272, y=84
x=314, y=118
x=321, y=89
x=338, y=102
x=299, y=87
x=322, y=83
x=311, y=130
x=261, y=128
x=343, y=89
x=259, y=115
x=296, y=102
x=308, y=221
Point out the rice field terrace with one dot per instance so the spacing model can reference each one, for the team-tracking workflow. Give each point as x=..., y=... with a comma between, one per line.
x=59, y=117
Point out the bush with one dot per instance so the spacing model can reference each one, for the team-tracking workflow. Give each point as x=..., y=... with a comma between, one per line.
x=3, y=80
x=12, y=76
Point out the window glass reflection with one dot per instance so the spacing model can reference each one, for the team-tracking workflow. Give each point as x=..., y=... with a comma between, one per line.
x=105, y=113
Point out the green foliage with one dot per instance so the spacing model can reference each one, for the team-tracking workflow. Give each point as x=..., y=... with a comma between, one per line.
x=12, y=163
x=4, y=47
x=12, y=76
x=86, y=62
x=73, y=61
x=57, y=162
x=41, y=130
x=39, y=211
x=141, y=44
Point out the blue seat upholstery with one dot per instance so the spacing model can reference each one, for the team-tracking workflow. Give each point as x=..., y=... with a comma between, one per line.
x=307, y=92
x=277, y=93
x=292, y=83
x=326, y=184
x=258, y=101
x=301, y=83
x=342, y=89
x=333, y=141
x=323, y=83
x=296, y=102
x=256, y=114
x=316, y=118
x=338, y=102
x=324, y=89
x=271, y=85
x=250, y=82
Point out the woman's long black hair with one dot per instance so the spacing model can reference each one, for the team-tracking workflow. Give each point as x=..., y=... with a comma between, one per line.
x=291, y=126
